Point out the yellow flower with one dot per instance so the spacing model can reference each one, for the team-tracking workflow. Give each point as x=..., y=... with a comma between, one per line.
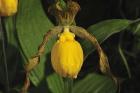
x=8, y=7
x=67, y=55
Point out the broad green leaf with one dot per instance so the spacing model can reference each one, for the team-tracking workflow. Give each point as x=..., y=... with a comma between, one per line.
x=104, y=30
x=32, y=23
x=94, y=83
x=55, y=83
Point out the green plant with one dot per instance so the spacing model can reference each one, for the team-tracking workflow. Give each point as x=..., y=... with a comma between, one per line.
x=24, y=32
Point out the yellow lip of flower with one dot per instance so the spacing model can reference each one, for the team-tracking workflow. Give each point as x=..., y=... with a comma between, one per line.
x=67, y=55
x=8, y=7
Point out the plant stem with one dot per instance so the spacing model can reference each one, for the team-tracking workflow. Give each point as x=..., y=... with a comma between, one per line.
x=4, y=56
x=68, y=85
x=123, y=56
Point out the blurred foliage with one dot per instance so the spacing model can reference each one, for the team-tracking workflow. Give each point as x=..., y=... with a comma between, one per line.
x=115, y=23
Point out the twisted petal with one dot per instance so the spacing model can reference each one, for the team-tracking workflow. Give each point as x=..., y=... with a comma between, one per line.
x=34, y=61
x=104, y=65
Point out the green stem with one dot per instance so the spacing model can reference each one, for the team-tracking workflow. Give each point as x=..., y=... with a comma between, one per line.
x=68, y=85
x=123, y=56
x=4, y=56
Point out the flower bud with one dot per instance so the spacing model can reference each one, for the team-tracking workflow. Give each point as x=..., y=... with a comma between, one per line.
x=67, y=55
x=8, y=7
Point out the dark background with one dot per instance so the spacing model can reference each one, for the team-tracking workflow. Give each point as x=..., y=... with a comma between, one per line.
x=93, y=11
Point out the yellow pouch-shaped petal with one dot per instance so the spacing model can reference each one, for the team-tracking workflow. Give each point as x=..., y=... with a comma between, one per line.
x=8, y=7
x=67, y=55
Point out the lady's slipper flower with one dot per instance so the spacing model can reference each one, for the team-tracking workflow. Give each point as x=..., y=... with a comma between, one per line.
x=8, y=7
x=67, y=55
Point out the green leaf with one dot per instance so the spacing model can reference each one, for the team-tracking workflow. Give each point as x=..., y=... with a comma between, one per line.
x=94, y=83
x=104, y=30
x=32, y=23
x=55, y=83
